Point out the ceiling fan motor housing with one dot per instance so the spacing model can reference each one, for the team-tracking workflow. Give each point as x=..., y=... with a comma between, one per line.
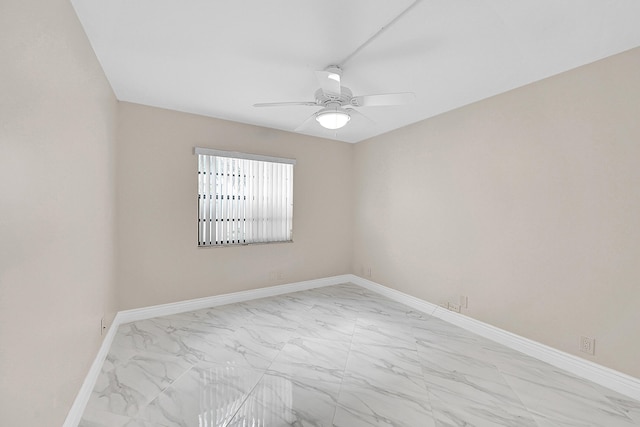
x=344, y=98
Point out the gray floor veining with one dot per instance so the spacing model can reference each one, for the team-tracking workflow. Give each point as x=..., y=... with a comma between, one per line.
x=334, y=356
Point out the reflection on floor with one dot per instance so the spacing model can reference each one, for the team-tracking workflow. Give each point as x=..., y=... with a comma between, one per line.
x=333, y=356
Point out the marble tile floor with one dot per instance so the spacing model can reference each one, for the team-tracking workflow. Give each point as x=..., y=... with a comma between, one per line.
x=335, y=356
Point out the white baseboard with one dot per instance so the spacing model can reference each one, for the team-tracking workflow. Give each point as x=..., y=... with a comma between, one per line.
x=411, y=301
x=127, y=316
x=77, y=409
x=606, y=377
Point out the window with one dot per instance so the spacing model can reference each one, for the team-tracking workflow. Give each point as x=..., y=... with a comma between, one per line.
x=243, y=198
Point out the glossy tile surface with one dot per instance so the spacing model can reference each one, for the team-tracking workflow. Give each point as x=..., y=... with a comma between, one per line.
x=334, y=356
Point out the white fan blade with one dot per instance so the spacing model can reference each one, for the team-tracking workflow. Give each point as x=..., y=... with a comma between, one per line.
x=285, y=104
x=355, y=113
x=305, y=123
x=383, y=99
x=329, y=82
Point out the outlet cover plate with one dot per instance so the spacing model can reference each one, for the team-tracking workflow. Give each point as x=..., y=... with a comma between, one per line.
x=588, y=345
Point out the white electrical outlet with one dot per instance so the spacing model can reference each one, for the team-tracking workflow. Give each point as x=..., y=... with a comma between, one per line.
x=588, y=345
x=454, y=307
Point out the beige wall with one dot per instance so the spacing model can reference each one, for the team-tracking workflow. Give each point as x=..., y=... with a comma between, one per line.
x=158, y=257
x=528, y=202
x=57, y=132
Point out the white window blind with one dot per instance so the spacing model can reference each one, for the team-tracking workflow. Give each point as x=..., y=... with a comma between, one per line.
x=243, y=198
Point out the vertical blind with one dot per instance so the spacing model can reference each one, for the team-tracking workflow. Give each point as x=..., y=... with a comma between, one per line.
x=243, y=198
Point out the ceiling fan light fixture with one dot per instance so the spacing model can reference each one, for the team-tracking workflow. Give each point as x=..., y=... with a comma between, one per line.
x=332, y=118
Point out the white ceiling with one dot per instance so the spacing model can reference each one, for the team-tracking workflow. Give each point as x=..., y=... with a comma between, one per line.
x=217, y=58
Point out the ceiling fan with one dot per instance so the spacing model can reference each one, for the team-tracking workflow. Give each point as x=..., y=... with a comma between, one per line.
x=338, y=102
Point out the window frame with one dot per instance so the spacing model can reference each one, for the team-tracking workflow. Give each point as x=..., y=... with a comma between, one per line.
x=279, y=211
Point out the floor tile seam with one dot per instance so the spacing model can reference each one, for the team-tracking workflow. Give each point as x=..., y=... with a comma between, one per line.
x=306, y=335
x=356, y=344
x=168, y=380
x=248, y=394
x=535, y=413
x=408, y=373
x=430, y=401
x=142, y=406
x=419, y=376
x=558, y=388
x=515, y=392
x=504, y=383
x=344, y=369
x=146, y=404
x=517, y=399
x=154, y=356
x=432, y=394
x=593, y=387
x=205, y=322
x=488, y=366
x=418, y=381
x=301, y=379
x=413, y=341
x=421, y=399
x=539, y=416
x=244, y=400
x=398, y=346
